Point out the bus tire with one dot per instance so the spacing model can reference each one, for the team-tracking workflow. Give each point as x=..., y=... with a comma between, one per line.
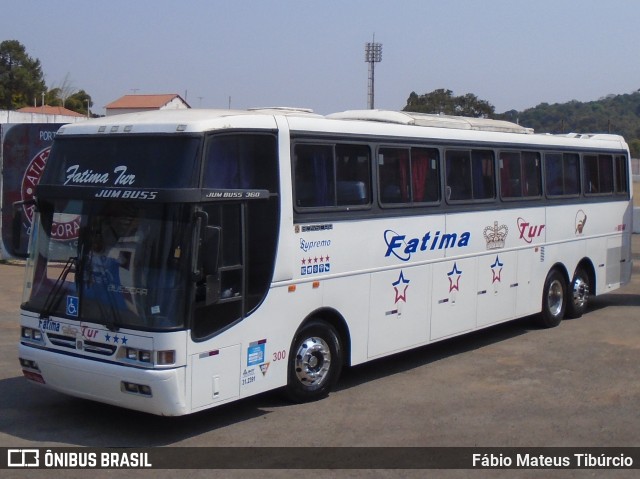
x=578, y=299
x=554, y=299
x=315, y=362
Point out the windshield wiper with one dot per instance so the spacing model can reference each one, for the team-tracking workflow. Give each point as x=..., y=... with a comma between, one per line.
x=55, y=294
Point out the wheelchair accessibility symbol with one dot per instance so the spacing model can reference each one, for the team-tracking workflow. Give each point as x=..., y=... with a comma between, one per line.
x=72, y=305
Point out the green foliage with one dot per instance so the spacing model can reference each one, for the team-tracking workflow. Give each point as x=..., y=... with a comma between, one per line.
x=444, y=102
x=77, y=101
x=21, y=78
x=617, y=114
x=22, y=81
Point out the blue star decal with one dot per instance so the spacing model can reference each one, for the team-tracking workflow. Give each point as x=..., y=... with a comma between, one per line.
x=496, y=269
x=401, y=281
x=454, y=284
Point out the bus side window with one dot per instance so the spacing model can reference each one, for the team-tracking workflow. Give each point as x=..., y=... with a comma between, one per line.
x=621, y=177
x=597, y=174
x=571, y=175
x=393, y=168
x=531, y=174
x=458, y=166
x=484, y=187
x=353, y=173
x=314, y=175
x=510, y=175
x=425, y=179
x=553, y=174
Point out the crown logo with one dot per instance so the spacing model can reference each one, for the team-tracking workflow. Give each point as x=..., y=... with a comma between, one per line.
x=495, y=235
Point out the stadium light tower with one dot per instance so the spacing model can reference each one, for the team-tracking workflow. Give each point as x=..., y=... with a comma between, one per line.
x=372, y=55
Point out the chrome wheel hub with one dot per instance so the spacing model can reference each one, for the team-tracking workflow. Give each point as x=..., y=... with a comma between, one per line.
x=555, y=297
x=580, y=292
x=313, y=361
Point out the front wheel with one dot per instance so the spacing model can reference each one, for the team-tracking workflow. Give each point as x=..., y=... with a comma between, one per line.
x=554, y=299
x=578, y=294
x=315, y=362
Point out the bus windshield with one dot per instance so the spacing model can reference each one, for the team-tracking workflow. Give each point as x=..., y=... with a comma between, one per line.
x=121, y=264
x=128, y=161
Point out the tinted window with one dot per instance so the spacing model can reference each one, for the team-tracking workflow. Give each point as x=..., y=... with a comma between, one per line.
x=562, y=174
x=470, y=175
x=126, y=161
x=621, y=175
x=332, y=175
x=520, y=174
x=408, y=175
x=241, y=161
x=598, y=174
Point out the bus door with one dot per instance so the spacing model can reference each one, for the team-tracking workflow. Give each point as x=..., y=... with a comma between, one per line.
x=236, y=258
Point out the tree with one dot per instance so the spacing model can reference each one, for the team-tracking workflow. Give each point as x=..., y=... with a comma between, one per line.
x=21, y=78
x=79, y=102
x=443, y=101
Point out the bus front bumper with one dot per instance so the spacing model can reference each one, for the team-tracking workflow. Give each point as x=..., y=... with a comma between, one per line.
x=156, y=391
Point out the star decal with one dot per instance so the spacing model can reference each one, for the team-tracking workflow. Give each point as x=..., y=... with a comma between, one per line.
x=403, y=284
x=496, y=269
x=454, y=284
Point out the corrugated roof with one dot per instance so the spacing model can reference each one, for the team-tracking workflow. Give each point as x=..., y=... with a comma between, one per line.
x=49, y=110
x=143, y=101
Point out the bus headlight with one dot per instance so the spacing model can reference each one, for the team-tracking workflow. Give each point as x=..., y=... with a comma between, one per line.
x=31, y=334
x=141, y=355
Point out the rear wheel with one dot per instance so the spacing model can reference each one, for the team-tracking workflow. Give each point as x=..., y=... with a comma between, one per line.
x=578, y=299
x=554, y=299
x=315, y=362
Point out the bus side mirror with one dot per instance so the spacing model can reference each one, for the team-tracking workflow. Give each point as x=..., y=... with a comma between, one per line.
x=17, y=229
x=210, y=252
x=210, y=249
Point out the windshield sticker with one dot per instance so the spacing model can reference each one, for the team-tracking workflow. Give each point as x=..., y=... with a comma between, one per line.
x=403, y=248
x=72, y=306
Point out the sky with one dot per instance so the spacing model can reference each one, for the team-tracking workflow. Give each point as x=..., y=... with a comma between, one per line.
x=515, y=54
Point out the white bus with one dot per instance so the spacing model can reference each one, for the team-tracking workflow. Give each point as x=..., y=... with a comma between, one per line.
x=182, y=260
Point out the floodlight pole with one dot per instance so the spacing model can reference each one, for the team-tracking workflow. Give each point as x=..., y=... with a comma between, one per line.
x=372, y=55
